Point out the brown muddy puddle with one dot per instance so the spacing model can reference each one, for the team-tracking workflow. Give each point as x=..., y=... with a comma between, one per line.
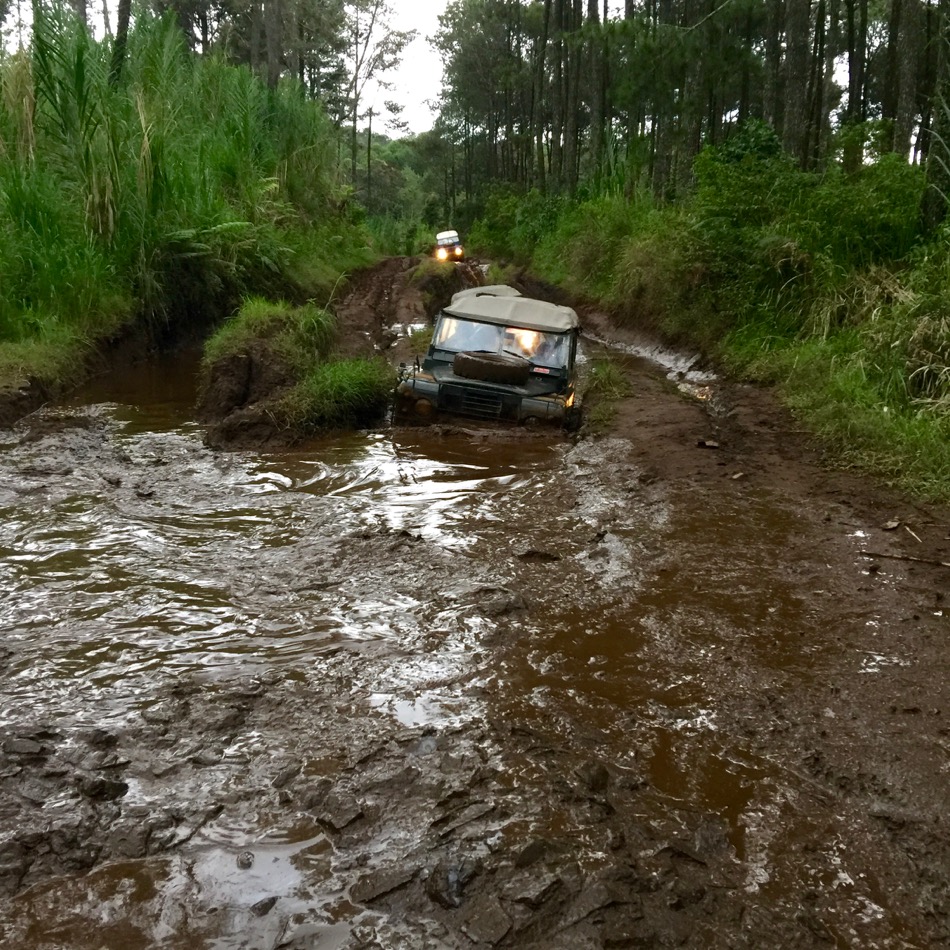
x=428, y=582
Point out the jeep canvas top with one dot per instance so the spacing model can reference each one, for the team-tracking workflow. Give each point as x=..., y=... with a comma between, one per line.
x=488, y=290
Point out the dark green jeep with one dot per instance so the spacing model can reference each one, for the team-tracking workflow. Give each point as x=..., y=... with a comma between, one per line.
x=495, y=355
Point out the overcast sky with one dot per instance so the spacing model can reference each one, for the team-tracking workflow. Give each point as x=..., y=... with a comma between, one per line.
x=417, y=78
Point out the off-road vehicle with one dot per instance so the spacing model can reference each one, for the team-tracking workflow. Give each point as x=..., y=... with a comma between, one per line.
x=448, y=246
x=495, y=355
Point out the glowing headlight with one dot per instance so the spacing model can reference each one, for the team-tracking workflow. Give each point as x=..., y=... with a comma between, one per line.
x=458, y=252
x=442, y=254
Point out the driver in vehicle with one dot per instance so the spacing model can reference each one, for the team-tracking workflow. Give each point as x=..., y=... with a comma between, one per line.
x=543, y=348
x=460, y=335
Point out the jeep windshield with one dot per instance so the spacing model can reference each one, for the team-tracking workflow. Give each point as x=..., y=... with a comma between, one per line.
x=539, y=347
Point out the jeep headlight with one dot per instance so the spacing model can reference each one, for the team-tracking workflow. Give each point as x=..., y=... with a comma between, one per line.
x=442, y=254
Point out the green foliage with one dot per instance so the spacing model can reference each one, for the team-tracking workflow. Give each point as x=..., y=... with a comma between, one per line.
x=399, y=236
x=605, y=384
x=816, y=283
x=607, y=380
x=513, y=224
x=165, y=198
x=339, y=393
x=299, y=336
x=419, y=340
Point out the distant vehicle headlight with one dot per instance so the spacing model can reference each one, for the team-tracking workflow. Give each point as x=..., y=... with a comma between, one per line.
x=442, y=254
x=458, y=251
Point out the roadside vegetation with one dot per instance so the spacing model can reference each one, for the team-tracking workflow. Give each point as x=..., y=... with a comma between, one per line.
x=768, y=188
x=823, y=284
x=150, y=203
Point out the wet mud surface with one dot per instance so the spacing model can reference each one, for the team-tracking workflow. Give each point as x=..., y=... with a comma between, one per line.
x=676, y=684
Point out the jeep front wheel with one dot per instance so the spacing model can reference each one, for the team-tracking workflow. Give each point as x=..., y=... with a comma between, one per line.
x=492, y=367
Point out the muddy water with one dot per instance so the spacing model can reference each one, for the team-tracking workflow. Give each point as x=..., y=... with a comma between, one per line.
x=422, y=589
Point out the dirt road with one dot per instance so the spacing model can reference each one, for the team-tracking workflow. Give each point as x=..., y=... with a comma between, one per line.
x=675, y=684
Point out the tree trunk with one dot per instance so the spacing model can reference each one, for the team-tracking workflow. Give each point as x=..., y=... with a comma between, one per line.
x=938, y=156
x=257, y=29
x=909, y=50
x=540, y=99
x=795, y=77
x=557, y=97
x=273, y=33
x=121, y=42
x=596, y=65
x=774, y=89
x=572, y=96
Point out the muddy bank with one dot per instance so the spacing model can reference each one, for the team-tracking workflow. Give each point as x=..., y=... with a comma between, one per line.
x=239, y=394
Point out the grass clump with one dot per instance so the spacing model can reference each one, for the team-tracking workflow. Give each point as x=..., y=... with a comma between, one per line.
x=606, y=383
x=437, y=281
x=296, y=336
x=337, y=394
x=419, y=341
x=305, y=387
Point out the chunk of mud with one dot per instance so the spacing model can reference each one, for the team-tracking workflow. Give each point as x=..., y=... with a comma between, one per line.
x=602, y=891
x=42, y=425
x=206, y=757
x=497, y=602
x=225, y=387
x=372, y=886
x=35, y=791
x=102, y=789
x=22, y=747
x=531, y=888
x=711, y=837
x=286, y=775
x=339, y=811
x=129, y=839
x=263, y=907
x=486, y=921
x=101, y=738
x=448, y=879
x=466, y=816
x=537, y=850
x=534, y=556
x=594, y=775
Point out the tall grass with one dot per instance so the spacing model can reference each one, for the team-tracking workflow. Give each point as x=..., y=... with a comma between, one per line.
x=402, y=237
x=164, y=199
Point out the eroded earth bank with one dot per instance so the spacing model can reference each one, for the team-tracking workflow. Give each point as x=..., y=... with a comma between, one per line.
x=676, y=684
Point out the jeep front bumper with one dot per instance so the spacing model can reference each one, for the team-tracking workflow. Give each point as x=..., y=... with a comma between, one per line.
x=421, y=397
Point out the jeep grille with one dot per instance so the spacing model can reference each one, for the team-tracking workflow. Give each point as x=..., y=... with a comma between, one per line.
x=471, y=401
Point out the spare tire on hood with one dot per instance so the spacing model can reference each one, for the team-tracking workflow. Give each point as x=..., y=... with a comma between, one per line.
x=492, y=367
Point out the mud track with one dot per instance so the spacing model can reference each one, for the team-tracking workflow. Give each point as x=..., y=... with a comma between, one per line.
x=675, y=684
